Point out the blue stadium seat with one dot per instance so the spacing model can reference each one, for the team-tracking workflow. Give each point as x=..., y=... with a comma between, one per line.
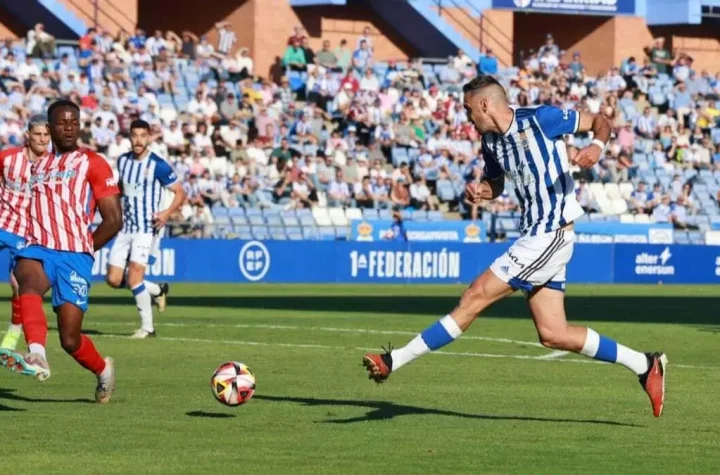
x=307, y=220
x=290, y=220
x=260, y=233
x=681, y=237
x=222, y=226
x=271, y=212
x=407, y=214
x=243, y=233
x=218, y=211
x=696, y=237
x=240, y=220
x=435, y=216
x=420, y=215
x=278, y=233
x=342, y=233
x=445, y=191
x=370, y=213
x=327, y=233
x=274, y=220
x=385, y=214
x=294, y=233
x=310, y=232
x=256, y=220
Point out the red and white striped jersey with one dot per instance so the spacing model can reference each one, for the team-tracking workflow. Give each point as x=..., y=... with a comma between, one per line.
x=65, y=189
x=15, y=190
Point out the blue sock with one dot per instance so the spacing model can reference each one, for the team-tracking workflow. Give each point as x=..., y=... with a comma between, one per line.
x=436, y=336
x=602, y=348
x=440, y=333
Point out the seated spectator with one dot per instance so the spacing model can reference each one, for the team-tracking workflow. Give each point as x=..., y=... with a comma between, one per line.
x=327, y=59
x=338, y=194
x=364, y=194
x=639, y=199
x=662, y=212
x=294, y=57
x=362, y=57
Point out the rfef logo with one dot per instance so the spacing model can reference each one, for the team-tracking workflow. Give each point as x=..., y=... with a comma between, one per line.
x=654, y=264
x=254, y=261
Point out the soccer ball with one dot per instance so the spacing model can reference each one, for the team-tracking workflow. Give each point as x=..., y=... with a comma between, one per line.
x=232, y=383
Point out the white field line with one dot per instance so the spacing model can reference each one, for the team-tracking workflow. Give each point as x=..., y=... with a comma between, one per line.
x=552, y=356
x=323, y=329
x=359, y=348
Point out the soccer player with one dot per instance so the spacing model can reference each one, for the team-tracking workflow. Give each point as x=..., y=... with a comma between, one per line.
x=68, y=185
x=525, y=146
x=143, y=178
x=14, y=202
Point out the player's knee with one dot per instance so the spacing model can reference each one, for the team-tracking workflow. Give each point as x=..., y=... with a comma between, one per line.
x=114, y=281
x=554, y=338
x=136, y=275
x=70, y=342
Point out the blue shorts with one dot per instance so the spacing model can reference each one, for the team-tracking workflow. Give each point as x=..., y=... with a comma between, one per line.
x=69, y=274
x=13, y=242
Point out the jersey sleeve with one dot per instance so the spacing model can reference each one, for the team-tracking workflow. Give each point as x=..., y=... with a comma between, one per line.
x=492, y=169
x=100, y=177
x=556, y=122
x=165, y=174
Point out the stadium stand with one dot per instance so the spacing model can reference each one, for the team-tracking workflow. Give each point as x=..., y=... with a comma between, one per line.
x=342, y=137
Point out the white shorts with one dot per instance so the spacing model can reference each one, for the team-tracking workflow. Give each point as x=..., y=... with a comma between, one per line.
x=536, y=261
x=138, y=247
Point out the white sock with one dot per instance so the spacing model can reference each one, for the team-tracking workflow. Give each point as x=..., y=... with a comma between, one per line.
x=153, y=288
x=106, y=372
x=604, y=349
x=144, y=306
x=439, y=334
x=409, y=352
x=633, y=360
x=14, y=328
x=37, y=348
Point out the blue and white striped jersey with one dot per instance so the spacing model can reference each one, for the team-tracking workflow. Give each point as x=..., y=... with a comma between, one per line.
x=532, y=156
x=143, y=185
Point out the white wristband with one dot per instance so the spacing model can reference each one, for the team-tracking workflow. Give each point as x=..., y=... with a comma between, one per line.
x=599, y=143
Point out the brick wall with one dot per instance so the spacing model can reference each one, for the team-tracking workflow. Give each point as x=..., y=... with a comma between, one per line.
x=112, y=15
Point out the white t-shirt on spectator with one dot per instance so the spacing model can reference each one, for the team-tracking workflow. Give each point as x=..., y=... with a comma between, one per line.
x=258, y=155
x=174, y=138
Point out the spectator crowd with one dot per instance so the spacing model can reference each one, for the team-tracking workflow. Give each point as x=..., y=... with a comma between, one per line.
x=335, y=127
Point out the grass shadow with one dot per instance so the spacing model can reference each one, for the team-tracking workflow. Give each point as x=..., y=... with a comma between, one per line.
x=209, y=415
x=383, y=411
x=9, y=395
x=640, y=309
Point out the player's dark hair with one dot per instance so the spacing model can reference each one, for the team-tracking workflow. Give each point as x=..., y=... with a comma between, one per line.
x=61, y=103
x=479, y=83
x=139, y=124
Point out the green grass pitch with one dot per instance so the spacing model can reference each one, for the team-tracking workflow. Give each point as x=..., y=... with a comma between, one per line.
x=493, y=402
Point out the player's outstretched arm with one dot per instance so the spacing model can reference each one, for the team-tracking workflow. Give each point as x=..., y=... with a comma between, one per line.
x=111, y=212
x=161, y=218
x=601, y=129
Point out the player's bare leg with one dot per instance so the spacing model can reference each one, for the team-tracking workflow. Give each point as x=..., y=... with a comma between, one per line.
x=136, y=281
x=483, y=292
x=32, y=285
x=115, y=277
x=14, y=332
x=547, y=307
x=82, y=349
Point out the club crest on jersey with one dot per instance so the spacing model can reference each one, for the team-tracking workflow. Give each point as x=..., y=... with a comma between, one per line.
x=524, y=140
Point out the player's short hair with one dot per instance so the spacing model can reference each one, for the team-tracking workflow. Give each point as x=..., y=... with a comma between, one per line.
x=61, y=103
x=479, y=83
x=139, y=124
x=37, y=119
